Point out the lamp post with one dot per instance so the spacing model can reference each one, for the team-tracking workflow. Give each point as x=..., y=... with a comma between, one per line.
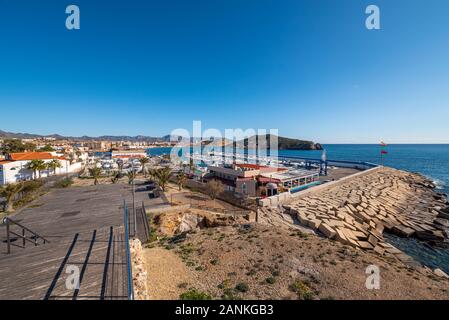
x=134, y=200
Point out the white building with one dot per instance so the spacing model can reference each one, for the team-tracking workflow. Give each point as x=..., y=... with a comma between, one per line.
x=14, y=167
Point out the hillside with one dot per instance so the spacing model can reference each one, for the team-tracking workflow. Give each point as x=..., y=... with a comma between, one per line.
x=283, y=143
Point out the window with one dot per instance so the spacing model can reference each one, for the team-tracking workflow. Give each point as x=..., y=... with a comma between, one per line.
x=244, y=189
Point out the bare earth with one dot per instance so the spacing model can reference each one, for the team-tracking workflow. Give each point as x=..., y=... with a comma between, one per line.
x=166, y=271
x=270, y=262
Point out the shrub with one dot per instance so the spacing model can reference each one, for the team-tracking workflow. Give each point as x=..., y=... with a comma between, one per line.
x=242, y=287
x=182, y=285
x=193, y=294
x=214, y=262
x=229, y=294
x=31, y=186
x=270, y=280
x=302, y=290
x=64, y=183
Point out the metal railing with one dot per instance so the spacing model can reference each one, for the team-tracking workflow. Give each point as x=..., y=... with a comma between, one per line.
x=128, y=253
x=32, y=238
x=145, y=222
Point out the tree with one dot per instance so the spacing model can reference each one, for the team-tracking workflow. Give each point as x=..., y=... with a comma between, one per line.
x=16, y=145
x=71, y=158
x=181, y=178
x=37, y=166
x=131, y=176
x=214, y=188
x=162, y=176
x=46, y=148
x=120, y=166
x=95, y=173
x=9, y=192
x=144, y=161
x=115, y=177
x=191, y=166
x=53, y=165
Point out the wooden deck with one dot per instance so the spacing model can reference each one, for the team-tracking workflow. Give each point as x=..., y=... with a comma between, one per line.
x=45, y=271
x=85, y=228
x=141, y=230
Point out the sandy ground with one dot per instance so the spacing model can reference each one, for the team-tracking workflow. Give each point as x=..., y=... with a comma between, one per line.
x=166, y=274
x=280, y=264
x=186, y=196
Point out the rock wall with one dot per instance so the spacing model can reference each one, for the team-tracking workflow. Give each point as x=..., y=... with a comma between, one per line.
x=139, y=270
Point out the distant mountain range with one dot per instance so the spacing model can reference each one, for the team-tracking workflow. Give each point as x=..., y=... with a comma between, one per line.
x=283, y=143
x=11, y=135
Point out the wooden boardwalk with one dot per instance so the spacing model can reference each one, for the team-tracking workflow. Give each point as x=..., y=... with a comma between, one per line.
x=46, y=271
x=85, y=228
x=138, y=224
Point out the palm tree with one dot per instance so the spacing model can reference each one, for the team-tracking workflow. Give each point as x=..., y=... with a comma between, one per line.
x=115, y=177
x=181, y=178
x=131, y=176
x=53, y=165
x=95, y=172
x=162, y=176
x=36, y=166
x=9, y=192
x=191, y=166
x=144, y=161
x=120, y=166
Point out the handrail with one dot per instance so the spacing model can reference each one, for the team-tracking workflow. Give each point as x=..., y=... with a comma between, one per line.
x=145, y=221
x=36, y=236
x=128, y=253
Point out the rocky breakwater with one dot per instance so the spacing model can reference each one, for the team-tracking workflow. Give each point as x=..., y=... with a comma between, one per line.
x=358, y=211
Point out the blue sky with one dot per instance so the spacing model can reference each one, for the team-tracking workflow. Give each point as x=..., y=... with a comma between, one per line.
x=308, y=68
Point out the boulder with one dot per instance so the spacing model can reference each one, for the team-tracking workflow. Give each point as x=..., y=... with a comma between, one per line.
x=443, y=222
x=314, y=223
x=430, y=235
x=441, y=273
x=365, y=245
x=327, y=230
x=189, y=222
x=402, y=231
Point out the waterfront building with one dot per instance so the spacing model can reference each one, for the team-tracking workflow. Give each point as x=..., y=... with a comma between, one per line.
x=258, y=180
x=128, y=154
x=14, y=167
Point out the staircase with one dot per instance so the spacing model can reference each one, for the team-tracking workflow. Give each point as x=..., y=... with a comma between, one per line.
x=48, y=270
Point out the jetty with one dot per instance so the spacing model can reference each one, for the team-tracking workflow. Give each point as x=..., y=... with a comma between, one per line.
x=357, y=210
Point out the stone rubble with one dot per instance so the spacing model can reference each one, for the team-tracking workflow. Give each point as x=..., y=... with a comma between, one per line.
x=139, y=270
x=358, y=211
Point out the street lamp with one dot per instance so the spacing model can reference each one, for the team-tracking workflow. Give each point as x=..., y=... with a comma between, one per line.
x=134, y=200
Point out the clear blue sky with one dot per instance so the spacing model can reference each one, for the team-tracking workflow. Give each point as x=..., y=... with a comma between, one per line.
x=308, y=68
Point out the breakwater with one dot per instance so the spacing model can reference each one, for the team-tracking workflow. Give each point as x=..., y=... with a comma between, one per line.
x=359, y=210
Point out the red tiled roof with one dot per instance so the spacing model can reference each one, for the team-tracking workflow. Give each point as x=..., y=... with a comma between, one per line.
x=21, y=156
x=267, y=180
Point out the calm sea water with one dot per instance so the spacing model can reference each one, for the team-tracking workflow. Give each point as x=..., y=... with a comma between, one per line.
x=429, y=160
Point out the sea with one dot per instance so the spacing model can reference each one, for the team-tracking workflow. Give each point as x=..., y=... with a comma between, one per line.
x=430, y=160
